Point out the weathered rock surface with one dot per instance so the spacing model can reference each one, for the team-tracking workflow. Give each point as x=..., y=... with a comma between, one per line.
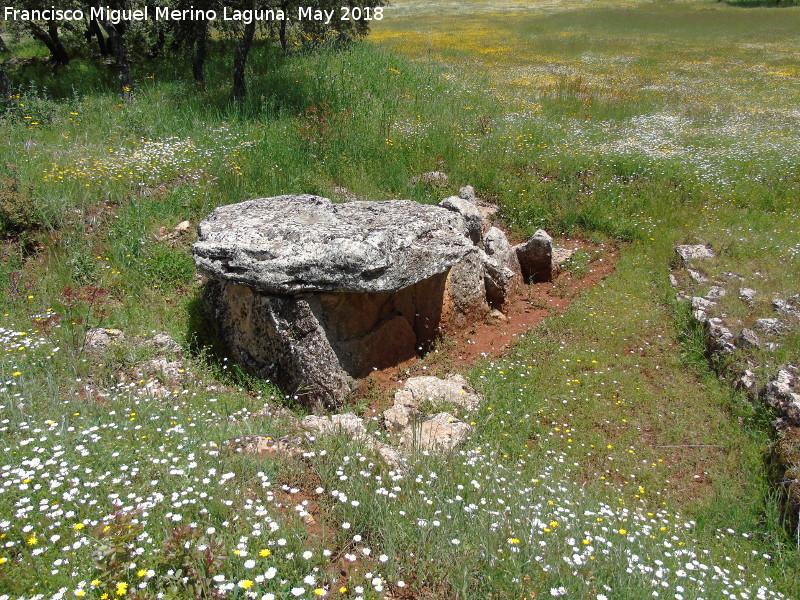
x=783, y=393
x=697, y=276
x=348, y=423
x=99, y=338
x=692, y=252
x=772, y=326
x=563, y=255
x=437, y=178
x=441, y=432
x=267, y=446
x=748, y=338
x=303, y=243
x=164, y=343
x=405, y=418
x=278, y=338
x=536, y=257
x=747, y=294
x=790, y=307
x=469, y=212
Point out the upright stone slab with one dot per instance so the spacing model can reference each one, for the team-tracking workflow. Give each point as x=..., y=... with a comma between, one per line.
x=312, y=294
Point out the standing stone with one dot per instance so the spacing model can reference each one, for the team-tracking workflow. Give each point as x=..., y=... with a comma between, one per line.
x=536, y=257
x=502, y=271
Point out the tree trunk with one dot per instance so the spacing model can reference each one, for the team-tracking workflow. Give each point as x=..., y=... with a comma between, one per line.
x=157, y=48
x=282, y=32
x=5, y=86
x=199, y=58
x=62, y=57
x=240, y=60
x=56, y=48
x=116, y=38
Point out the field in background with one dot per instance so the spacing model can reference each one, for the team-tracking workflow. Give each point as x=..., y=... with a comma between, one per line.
x=608, y=460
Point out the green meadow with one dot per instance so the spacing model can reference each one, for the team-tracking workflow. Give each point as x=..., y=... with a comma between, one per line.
x=609, y=461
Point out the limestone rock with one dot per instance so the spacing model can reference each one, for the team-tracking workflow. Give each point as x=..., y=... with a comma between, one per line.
x=164, y=343
x=404, y=414
x=692, y=252
x=719, y=337
x=171, y=372
x=437, y=178
x=495, y=317
x=348, y=423
x=278, y=338
x=747, y=380
x=302, y=243
x=563, y=255
x=747, y=294
x=716, y=292
x=99, y=338
x=789, y=307
x=536, y=257
x=454, y=389
x=783, y=393
x=467, y=193
x=701, y=307
x=267, y=446
x=441, y=432
x=503, y=274
x=470, y=213
x=772, y=326
x=748, y=338
x=697, y=276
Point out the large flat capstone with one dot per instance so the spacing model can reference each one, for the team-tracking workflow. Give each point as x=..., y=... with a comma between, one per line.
x=303, y=243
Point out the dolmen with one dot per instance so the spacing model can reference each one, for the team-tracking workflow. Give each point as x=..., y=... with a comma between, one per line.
x=314, y=295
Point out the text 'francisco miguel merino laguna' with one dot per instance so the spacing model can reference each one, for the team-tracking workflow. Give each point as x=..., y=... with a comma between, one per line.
x=163, y=13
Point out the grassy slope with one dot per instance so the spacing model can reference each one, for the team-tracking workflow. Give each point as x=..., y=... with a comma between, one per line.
x=651, y=124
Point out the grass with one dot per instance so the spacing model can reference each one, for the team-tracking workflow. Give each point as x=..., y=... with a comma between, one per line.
x=608, y=459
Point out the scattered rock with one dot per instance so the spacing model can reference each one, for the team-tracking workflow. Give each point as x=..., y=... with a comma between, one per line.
x=562, y=255
x=748, y=338
x=99, y=338
x=495, y=317
x=747, y=294
x=164, y=343
x=701, y=307
x=267, y=446
x=719, y=337
x=182, y=229
x=404, y=414
x=467, y=193
x=697, y=276
x=171, y=372
x=503, y=274
x=692, y=252
x=716, y=292
x=783, y=393
x=787, y=307
x=436, y=178
x=772, y=326
x=348, y=423
x=536, y=257
x=731, y=276
x=673, y=281
x=747, y=381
